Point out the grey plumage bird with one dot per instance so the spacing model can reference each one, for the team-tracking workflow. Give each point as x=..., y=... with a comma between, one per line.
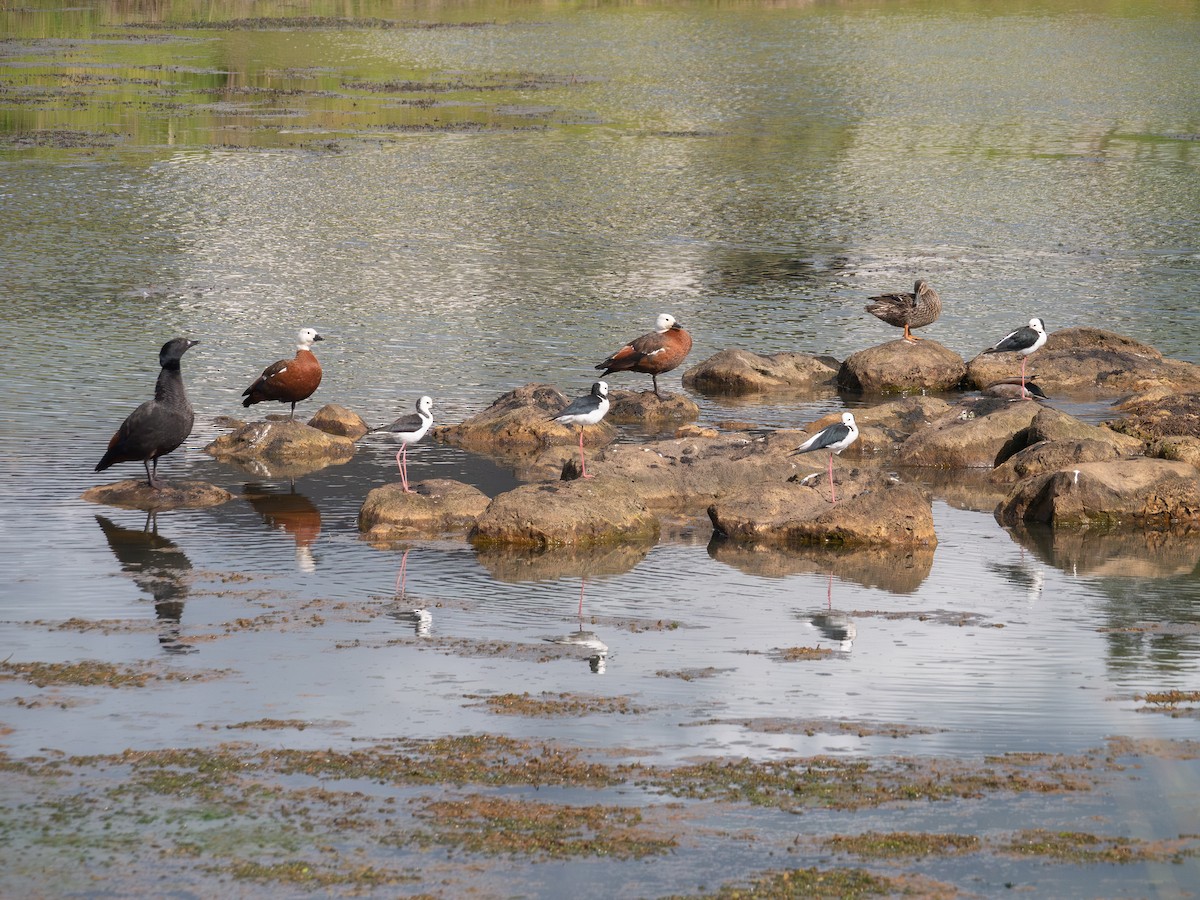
x=159, y=425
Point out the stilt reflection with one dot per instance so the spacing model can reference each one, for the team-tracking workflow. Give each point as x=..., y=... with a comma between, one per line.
x=595, y=650
x=419, y=617
x=834, y=625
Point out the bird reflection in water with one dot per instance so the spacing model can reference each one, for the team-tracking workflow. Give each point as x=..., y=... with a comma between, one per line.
x=833, y=625
x=159, y=568
x=292, y=513
x=596, y=649
x=419, y=617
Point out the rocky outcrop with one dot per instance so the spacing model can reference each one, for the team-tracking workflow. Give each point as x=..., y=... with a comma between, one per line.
x=1050, y=456
x=1180, y=449
x=738, y=372
x=1160, y=413
x=1148, y=493
x=589, y=511
x=900, y=366
x=872, y=509
x=644, y=408
x=438, y=506
x=883, y=427
x=1088, y=361
x=689, y=473
x=132, y=494
x=521, y=421
x=285, y=441
x=334, y=419
x=1055, y=440
x=978, y=433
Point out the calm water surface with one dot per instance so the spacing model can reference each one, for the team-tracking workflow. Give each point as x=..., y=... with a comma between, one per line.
x=464, y=209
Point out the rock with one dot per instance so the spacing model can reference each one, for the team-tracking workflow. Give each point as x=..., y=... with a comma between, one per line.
x=334, y=419
x=696, y=431
x=976, y=433
x=132, y=494
x=521, y=421
x=689, y=473
x=283, y=441
x=1050, y=456
x=642, y=407
x=900, y=366
x=872, y=509
x=1053, y=425
x=898, y=570
x=1088, y=361
x=1181, y=449
x=737, y=372
x=1144, y=492
x=583, y=512
x=438, y=506
x=1160, y=413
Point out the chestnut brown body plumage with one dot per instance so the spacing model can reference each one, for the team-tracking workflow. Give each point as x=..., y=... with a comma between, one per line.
x=908, y=311
x=289, y=380
x=652, y=354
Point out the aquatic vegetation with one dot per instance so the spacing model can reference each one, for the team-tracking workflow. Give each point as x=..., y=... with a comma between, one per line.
x=547, y=704
x=886, y=845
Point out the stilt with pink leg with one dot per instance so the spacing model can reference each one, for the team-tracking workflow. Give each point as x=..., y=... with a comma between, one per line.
x=1025, y=340
x=408, y=430
x=583, y=411
x=835, y=439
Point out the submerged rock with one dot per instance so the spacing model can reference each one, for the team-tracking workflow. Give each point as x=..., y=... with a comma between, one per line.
x=334, y=419
x=131, y=494
x=1088, y=361
x=1124, y=553
x=438, y=506
x=900, y=366
x=738, y=372
x=583, y=512
x=872, y=509
x=1150, y=493
x=521, y=421
x=283, y=441
x=517, y=564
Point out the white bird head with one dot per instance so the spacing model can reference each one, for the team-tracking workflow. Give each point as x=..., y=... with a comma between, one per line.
x=848, y=420
x=306, y=336
x=425, y=405
x=600, y=389
x=665, y=323
x=1037, y=325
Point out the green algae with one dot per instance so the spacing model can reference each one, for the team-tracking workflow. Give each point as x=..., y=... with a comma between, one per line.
x=806, y=883
x=91, y=673
x=1081, y=847
x=551, y=705
x=893, y=844
x=536, y=830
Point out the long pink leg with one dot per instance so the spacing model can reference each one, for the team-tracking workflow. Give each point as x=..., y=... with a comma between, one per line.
x=401, y=576
x=1024, y=393
x=582, y=461
x=832, y=486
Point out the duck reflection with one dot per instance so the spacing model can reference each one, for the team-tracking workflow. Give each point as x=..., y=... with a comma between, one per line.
x=594, y=650
x=834, y=625
x=292, y=513
x=419, y=617
x=159, y=568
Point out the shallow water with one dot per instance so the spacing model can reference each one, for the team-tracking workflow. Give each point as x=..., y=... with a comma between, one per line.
x=461, y=210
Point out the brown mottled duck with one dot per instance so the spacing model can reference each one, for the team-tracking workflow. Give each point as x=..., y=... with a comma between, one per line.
x=908, y=311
